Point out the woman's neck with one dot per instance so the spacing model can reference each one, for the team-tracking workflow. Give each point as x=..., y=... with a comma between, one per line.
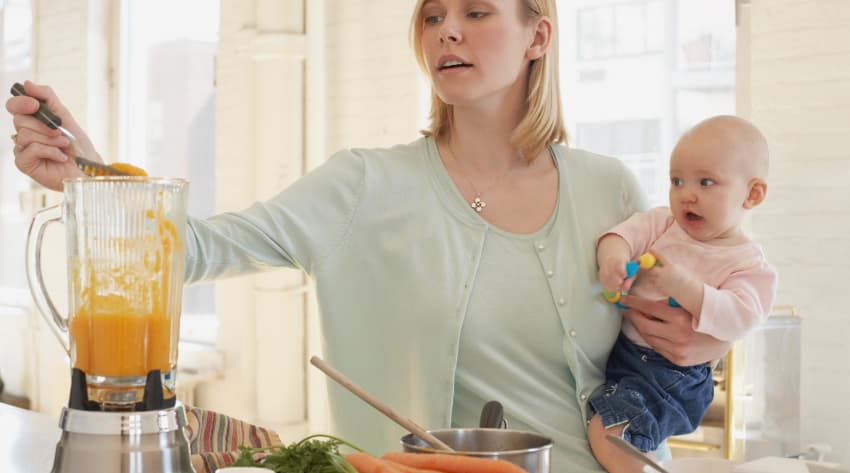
x=481, y=133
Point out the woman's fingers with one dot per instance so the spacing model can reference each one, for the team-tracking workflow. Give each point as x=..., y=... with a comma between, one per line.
x=21, y=105
x=659, y=309
x=46, y=93
x=42, y=152
x=669, y=331
x=26, y=137
x=21, y=121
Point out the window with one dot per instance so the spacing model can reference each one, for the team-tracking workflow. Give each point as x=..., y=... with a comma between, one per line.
x=16, y=54
x=636, y=74
x=167, y=113
x=625, y=29
x=705, y=35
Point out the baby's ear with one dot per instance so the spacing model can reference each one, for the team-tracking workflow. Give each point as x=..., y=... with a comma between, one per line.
x=757, y=193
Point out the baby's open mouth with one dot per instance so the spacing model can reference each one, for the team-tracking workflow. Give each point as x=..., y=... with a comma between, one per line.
x=692, y=217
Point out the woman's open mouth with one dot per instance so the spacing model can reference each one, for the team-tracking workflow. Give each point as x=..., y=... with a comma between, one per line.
x=449, y=62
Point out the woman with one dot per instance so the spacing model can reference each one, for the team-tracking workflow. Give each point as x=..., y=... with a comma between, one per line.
x=457, y=268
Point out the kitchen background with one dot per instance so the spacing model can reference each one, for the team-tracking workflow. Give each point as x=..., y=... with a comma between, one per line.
x=242, y=97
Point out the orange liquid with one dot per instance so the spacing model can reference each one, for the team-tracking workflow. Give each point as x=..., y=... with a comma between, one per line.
x=110, y=334
x=111, y=341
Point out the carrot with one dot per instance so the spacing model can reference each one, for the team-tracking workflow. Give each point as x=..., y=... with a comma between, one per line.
x=365, y=463
x=448, y=463
x=409, y=469
x=129, y=169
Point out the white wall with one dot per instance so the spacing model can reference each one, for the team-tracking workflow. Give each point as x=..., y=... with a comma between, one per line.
x=800, y=98
x=372, y=75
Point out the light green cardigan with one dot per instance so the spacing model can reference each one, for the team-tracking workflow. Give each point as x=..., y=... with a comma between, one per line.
x=394, y=251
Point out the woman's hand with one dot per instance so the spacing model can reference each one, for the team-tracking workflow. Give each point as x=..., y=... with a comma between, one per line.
x=41, y=152
x=670, y=332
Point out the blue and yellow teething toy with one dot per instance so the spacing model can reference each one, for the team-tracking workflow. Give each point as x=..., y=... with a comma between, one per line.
x=644, y=261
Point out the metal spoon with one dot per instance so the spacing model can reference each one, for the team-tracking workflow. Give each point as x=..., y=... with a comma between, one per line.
x=46, y=116
x=635, y=453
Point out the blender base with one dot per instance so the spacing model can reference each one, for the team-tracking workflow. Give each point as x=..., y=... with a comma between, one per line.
x=149, y=437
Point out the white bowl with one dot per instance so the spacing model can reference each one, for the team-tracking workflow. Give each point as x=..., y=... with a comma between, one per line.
x=695, y=465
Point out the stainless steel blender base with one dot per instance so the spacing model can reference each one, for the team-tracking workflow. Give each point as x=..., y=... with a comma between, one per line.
x=123, y=442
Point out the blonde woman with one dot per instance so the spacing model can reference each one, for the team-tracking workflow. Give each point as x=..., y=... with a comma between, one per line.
x=457, y=268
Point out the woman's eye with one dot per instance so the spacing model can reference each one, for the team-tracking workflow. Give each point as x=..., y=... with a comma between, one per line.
x=675, y=181
x=433, y=19
x=706, y=182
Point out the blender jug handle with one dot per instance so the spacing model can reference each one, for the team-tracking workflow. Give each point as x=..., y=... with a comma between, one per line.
x=35, y=236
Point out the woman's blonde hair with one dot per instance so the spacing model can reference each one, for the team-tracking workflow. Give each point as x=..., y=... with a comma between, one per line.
x=543, y=123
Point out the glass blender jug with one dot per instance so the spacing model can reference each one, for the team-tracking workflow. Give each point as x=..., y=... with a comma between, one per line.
x=125, y=263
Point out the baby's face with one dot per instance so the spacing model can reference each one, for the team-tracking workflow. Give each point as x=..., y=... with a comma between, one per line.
x=708, y=189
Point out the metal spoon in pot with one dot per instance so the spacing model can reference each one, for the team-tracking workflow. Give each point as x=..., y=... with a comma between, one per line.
x=408, y=424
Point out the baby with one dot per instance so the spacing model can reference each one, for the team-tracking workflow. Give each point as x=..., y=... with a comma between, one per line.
x=706, y=263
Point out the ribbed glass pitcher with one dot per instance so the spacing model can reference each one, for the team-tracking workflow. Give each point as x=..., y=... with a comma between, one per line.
x=125, y=257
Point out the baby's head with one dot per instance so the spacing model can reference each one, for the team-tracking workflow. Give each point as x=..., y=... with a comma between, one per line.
x=718, y=170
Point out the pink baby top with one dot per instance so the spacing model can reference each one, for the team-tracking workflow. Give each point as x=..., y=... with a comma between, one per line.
x=739, y=283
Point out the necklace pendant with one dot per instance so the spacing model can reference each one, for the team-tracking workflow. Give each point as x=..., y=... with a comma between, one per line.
x=477, y=204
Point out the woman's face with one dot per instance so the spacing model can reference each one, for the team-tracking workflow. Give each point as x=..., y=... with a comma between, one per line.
x=476, y=50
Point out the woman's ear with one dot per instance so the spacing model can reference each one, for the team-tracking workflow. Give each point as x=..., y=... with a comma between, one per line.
x=757, y=193
x=541, y=39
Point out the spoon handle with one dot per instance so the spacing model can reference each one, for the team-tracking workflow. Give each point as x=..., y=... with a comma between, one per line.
x=637, y=454
x=408, y=424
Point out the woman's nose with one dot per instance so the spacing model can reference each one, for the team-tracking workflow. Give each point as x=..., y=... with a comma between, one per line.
x=449, y=34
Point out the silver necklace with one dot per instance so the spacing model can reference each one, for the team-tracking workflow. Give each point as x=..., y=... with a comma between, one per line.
x=477, y=203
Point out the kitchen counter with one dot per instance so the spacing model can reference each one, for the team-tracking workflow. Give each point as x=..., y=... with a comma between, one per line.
x=27, y=440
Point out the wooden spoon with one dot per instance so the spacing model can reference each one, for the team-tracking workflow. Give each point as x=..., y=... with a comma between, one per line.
x=408, y=424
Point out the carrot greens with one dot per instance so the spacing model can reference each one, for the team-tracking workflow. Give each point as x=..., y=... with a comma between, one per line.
x=314, y=454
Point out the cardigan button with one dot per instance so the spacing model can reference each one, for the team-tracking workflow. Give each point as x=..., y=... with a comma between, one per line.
x=572, y=333
x=541, y=247
x=550, y=273
x=561, y=301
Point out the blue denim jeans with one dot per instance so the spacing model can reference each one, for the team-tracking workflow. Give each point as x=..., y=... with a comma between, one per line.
x=652, y=396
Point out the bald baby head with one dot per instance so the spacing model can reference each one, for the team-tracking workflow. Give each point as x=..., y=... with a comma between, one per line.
x=739, y=140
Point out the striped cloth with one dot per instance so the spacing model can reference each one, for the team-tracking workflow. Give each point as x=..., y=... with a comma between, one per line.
x=214, y=439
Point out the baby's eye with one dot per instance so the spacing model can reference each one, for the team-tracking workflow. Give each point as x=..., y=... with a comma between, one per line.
x=675, y=181
x=706, y=182
x=477, y=14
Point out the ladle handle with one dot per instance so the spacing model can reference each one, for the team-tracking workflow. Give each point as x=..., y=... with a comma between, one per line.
x=408, y=424
x=35, y=278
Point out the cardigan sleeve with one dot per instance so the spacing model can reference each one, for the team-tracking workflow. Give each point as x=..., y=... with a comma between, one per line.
x=297, y=228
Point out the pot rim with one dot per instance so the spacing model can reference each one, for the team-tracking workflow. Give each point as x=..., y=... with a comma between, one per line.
x=423, y=448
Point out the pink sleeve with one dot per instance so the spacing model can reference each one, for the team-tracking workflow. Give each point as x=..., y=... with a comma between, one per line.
x=739, y=305
x=642, y=229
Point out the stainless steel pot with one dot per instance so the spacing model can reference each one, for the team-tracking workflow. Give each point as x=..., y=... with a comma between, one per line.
x=524, y=449
x=527, y=450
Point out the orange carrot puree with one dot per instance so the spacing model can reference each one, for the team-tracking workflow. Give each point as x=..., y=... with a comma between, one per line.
x=112, y=341
x=111, y=334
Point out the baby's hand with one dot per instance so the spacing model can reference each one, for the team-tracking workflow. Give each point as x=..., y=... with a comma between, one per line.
x=669, y=278
x=612, y=274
